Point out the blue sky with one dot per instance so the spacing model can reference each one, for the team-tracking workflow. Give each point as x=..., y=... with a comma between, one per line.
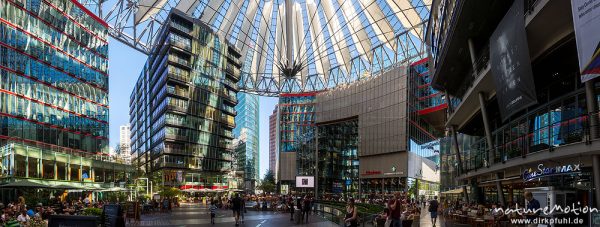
x=125, y=65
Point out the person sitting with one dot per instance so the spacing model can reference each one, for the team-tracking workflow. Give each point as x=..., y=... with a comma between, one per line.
x=23, y=218
x=383, y=218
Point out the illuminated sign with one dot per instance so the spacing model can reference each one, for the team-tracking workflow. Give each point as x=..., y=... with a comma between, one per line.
x=305, y=181
x=371, y=172
x=542, y=171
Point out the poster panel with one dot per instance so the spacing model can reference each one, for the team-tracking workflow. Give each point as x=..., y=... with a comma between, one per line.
x=586, y=20
x=510, y=63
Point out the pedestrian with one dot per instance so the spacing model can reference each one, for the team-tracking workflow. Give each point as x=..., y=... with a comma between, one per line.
x=243, y=208
x=237, y=208
x=433, y=208
x=351, y=218
x=532, y=210
x=306, y=208
x=213, y=211
x=291, y=207
x=395, y=205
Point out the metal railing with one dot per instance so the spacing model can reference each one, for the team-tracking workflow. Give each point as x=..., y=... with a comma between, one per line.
x=556, y=134
x=335, y=215
x=474, y=73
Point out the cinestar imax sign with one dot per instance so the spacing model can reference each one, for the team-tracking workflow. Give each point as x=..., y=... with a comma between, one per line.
x=550, y=171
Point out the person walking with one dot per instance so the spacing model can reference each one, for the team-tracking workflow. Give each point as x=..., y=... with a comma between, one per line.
x=395, y=206
x=306, y=207
x=243, y=208
x=433, y=208
x=351, y=219
x=291, y=207
x=236, y=207
x=213, y=212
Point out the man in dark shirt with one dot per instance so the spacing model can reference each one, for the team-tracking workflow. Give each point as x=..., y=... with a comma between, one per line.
x=305, y=207
x=433, y=208
x=291, y=207
x=395, y=205
x=532, y=206
x=237, y=208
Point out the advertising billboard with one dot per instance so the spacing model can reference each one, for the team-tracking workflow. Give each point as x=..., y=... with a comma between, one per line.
x=510, y=63
x=305, y=181
x=586, y=17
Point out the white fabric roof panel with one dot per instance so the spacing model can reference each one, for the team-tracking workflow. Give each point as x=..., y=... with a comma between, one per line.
x=147, y=9
x=327, y=34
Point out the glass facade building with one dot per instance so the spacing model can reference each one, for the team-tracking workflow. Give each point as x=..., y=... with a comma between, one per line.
x=53, y=77
x=427, y=110
x=182, y=108
x=338, y=158
x=246, y=132
x=297, y=133
x=381, y=135
x=54, y=96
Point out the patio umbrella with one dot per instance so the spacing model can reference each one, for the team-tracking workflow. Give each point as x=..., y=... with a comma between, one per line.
x=93, y=188
x=24, y=184
x=115, y=189
x=65, y=186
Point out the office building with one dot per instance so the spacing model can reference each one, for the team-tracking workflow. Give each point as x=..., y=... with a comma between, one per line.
x=380, y=135
x=273, y=148
x=526, y=113
x=377, y=136
x=296, y=113
x=124, y=139
x=54, y=96
x=246, y=133
x=182, y=108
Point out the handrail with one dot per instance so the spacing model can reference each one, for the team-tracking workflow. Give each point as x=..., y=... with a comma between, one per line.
x=474, y=73
x=574, y=130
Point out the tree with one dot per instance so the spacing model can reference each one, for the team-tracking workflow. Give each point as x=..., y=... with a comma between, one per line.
x=269, y=176
x=118, y=148
x=168, y=192
x=268, y=185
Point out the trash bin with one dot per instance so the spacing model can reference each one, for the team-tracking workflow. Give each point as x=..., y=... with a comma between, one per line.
x=298, y=216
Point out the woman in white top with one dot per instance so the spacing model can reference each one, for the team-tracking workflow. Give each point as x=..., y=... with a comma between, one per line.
x=23, y=218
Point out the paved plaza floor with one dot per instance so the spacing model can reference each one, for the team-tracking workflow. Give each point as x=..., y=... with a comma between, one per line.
x=191, y=215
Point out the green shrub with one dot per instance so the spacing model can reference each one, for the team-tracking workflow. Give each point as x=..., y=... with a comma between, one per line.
x=92, y=212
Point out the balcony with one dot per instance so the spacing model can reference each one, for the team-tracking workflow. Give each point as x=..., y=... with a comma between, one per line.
x=236, y=61
x=177, y=108
x=230, y=84
x=176, y=137
x=179, y=93
x=184, y=79
x=233, y=72
x=478, y=80
x=554, y=131
x=181, y=45
x=180, y=27
x=228, y=109
x=179, y=61
x=227, y=134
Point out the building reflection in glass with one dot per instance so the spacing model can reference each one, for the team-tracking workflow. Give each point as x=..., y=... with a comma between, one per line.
x=338, y=158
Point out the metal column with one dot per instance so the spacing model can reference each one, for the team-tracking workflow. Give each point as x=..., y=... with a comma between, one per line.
x=596, y=174
x=317, y=164
x=592, y=106
x=459, y=159
x=472, y=54
x=486, y=126
x=490, y=145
